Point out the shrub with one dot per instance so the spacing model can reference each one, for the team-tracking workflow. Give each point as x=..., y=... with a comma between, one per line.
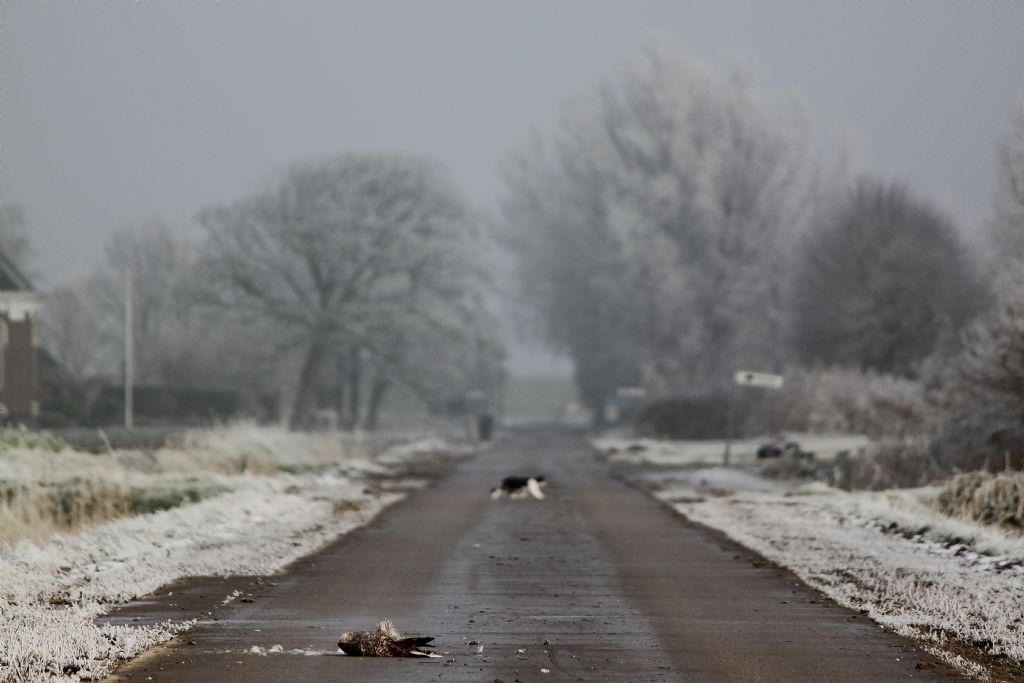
x=844, y=401
x=996, y=499
x=898, y=464
x=810, y=401
x=20, y=438
x=684, y=418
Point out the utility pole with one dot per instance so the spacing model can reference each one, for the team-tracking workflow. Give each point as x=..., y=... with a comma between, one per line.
x=129, y=351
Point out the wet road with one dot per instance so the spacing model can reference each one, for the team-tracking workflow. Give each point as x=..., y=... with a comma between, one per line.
x=597, y=582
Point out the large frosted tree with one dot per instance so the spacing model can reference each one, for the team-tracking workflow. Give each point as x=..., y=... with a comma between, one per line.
x=1008, y=215
x=993, y=363
x=363, y=258
x=652, y=224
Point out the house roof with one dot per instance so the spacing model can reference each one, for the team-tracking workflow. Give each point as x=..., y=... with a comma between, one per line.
x=11, y=279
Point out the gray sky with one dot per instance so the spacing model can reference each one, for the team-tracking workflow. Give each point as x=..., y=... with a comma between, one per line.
x=111, y=112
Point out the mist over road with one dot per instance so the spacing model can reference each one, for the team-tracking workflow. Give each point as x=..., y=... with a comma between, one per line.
x=597, y=582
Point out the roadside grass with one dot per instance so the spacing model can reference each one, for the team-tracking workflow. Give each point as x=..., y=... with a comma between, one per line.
x=996, y=499
x=36, y=511
x=46, y=487
x=83, y=532
x=942, y=564
x=952, y=584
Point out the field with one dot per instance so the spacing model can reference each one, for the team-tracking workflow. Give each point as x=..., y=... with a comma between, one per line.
x=83, y=532
x=537, y=398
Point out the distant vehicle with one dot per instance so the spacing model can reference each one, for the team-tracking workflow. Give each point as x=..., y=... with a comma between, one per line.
x=778, y=449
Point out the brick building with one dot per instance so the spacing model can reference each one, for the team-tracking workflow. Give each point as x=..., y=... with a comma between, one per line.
x=19, y=343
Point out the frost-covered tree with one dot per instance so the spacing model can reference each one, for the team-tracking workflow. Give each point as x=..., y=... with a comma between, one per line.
x=440, y=350
x=652, y=226
x=177, y=343
x=993, y=362
x=72, y=330
x=880, y=280
x=167, y=336
x=1008, y=218
x=356, y=257
x=993, y=358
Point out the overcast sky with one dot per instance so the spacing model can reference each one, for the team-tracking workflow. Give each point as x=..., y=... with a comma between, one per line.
x=112, y=112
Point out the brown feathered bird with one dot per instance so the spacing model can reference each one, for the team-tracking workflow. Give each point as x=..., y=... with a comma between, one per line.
x=386, y=641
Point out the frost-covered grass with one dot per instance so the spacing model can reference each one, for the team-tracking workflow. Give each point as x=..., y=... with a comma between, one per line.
x=628, y=451
x=21, y=438
x=988, y=498
x=46, y=487
x=953, y=584
x=280, y=496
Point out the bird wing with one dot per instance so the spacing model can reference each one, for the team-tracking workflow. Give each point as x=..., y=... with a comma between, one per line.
x=534, y=488
x=413, y=642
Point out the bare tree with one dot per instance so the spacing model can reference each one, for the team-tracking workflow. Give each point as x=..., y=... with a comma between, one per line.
x=325, y=252
x=652, y=229
x=993, y=361
x=440, y=351
x=166, y=330
x=879, y=281
x=72, y=330
x=1008, y=218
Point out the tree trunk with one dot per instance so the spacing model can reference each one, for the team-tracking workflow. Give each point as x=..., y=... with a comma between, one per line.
x=303, y=404
x=377, y=392
x=340, y=392
x=355, y=378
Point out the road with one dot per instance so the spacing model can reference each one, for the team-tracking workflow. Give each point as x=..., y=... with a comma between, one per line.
x=597, y=582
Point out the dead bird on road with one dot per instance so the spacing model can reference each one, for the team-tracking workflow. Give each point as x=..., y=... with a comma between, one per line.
x=386, y=641
x=520, y=487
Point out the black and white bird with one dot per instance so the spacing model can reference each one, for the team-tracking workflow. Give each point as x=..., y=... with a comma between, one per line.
x=520, y=487
x=385, y=641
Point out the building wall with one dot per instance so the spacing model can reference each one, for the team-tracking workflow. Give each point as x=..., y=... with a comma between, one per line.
x=19, y=388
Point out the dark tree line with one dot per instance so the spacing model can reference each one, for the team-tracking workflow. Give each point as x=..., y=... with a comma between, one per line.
x=879, y=280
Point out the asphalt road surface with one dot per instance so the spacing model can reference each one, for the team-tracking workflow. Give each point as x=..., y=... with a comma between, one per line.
x=597, y=582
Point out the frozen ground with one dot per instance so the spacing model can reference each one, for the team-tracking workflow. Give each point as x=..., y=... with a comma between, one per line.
x=954, y=585
x=311, y=489
x=627, y=451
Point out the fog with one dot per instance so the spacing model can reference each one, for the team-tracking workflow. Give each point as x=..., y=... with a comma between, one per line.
x=268, y=267
x=116, y=114
x=116, y=111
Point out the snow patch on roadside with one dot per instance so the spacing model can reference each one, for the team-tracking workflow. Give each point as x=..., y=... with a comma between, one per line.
x=888, y=554
x=53, y=594
x=620, y=450
x=424, y=448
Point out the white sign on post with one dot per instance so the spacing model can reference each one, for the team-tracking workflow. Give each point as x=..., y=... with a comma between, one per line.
x=758, y=379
